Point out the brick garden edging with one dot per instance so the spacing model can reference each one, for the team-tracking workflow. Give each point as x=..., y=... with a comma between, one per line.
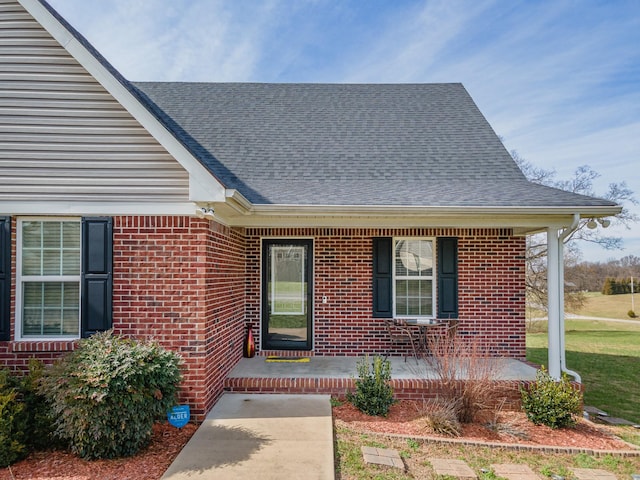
x=509, y=446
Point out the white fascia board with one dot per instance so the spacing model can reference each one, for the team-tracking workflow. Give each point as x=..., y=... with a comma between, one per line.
x=521, y=219
x=406, y=211
x=518, y=224
x=238, y=202
x=203, y=186
x=96, y=208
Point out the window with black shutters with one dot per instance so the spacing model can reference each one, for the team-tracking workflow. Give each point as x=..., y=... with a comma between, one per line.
x=406, y=279
x=63, y=277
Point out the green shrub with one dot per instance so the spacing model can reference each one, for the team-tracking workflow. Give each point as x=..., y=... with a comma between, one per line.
x=373, y=394
x=106, y=395
x=13, y=421
x=555, y=404
x=40, y=427
x=631, y=314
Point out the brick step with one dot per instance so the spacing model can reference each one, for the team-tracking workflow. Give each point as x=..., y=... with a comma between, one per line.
x=403, y=389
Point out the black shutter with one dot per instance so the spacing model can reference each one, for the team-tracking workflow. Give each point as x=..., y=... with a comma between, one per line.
x=447, y=277
x=97, y=275
x=5, y=277
x=382, y=277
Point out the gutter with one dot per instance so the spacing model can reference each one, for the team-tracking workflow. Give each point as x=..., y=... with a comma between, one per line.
x=563, y=235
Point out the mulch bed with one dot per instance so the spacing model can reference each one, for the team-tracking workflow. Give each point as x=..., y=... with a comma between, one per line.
x=150, y=464
x=512, y=427
x=403, y=419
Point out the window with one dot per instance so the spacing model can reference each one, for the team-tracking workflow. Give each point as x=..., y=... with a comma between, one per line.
x=413, y=278
x=404, y=280
x=48, y=278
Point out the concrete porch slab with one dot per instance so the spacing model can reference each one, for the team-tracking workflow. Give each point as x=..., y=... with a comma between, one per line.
x=410, y=380
x=345, y=367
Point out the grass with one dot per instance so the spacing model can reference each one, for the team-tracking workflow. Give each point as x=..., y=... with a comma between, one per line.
x=607, y=356
x=288, y=321
x=609, y=306
x=415, y=454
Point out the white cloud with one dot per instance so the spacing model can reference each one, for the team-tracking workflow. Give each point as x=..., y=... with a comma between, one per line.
x=558, y=80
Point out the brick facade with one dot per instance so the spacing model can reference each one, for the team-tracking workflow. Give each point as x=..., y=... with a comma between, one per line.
x=491, y=287
x=181, y=280
x=193, y=285
x=178, y=280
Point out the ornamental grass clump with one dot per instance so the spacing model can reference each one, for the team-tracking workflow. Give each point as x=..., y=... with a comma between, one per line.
x=556, y=404
x=106, y=395
x=373, y=394
x=467, y=376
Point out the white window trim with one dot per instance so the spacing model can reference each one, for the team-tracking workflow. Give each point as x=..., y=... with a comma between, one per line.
x=433, y=277
x=20, y=279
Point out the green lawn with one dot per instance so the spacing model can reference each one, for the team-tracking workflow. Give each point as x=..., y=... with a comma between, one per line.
x=607, y=356
x=609, y=306
x=416, y=454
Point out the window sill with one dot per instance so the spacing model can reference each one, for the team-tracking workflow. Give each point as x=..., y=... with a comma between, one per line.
x=43, y=345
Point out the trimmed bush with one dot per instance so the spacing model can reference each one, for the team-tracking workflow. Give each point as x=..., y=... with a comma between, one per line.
x=555, y=404
x=632, y=314
x=106, y=395
x=40, y=427
x=373, y=394
x=13, y=421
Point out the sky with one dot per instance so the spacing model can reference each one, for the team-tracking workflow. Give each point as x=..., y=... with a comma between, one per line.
x=559, y=80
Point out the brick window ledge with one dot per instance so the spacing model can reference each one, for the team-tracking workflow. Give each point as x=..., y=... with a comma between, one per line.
x=43, y=346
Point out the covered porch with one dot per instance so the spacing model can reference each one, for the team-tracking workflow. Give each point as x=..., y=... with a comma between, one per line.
x=411, y=379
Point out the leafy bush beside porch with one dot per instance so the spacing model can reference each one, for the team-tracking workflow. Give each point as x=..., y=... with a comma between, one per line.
x=106, y=395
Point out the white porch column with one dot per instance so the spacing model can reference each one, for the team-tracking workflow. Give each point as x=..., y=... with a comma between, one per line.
x=553, y=294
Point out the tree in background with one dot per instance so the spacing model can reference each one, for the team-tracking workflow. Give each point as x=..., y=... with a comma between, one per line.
x=590, y=276
x=616, y=286
x=536, y=256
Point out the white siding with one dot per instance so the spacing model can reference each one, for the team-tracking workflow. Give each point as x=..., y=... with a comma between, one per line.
x=63, y=137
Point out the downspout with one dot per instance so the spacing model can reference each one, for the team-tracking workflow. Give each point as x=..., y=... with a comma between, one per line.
x=553, y=301
x=563, y=235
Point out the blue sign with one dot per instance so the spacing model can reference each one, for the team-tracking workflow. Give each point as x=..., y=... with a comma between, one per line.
x=179, y=416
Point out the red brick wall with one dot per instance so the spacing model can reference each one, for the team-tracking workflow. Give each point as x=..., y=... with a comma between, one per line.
x=342, y=273
x=495, y=316
x=180, y=281
x=190, y=284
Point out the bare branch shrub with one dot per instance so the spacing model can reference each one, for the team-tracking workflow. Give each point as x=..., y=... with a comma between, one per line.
x=467, y=374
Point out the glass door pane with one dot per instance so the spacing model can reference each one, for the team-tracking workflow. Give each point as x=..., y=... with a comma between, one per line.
x=287, y=294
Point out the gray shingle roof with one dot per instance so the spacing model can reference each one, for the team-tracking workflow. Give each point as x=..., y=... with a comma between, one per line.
x=348, y=144
x=330, y=144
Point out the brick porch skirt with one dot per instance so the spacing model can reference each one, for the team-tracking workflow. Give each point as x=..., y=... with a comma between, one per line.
x=404, y=389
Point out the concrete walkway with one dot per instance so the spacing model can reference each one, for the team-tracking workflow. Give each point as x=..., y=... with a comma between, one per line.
x=260, y=436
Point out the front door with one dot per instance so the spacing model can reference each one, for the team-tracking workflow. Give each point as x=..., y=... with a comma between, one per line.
x=287, y=294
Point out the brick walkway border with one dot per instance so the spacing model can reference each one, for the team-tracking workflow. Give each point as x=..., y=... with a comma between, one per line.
x=510, y=446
